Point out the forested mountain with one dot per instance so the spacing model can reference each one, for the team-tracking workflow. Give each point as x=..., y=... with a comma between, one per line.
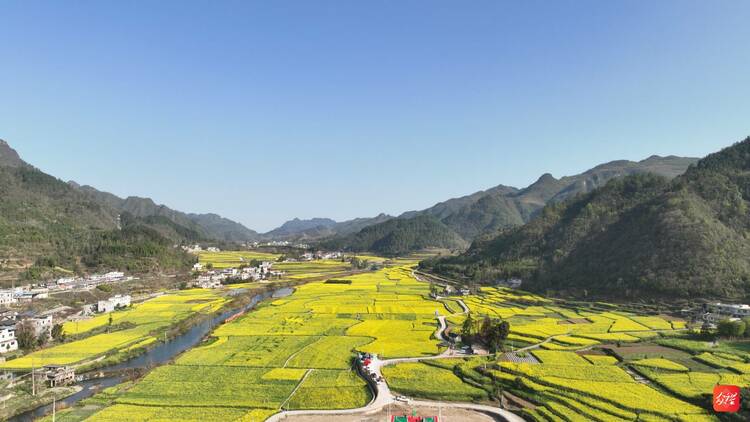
x=320, y=228
x=484, y=213
x=502, y=206
x=208, y=226
x=47, y=223
x=640, y=236
x=9, y=157
x=400, y=236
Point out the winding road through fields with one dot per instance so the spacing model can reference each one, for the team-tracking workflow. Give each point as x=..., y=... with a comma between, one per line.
x=383, y=395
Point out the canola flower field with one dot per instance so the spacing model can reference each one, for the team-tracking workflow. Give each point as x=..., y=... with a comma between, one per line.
x=233, y=259
x=145, y=320
x=291, y=353
x=583, y=362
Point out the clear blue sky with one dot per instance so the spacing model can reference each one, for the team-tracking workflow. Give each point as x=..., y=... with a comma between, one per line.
x=263, y=111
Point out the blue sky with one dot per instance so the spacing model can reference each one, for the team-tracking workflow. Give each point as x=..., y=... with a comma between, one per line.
x=264, y=111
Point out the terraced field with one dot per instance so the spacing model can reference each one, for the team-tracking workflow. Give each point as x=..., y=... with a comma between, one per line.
x=586, y=363
x=292, y=353
x=147, y=320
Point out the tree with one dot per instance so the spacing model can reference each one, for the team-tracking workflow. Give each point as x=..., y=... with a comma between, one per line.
x=728, y=328
x=485, y=331
x=504, y=330
x=747, y=326
x=467, y=329
x=58, y=333
x=210, y=266
x=497, y=333
x=25, y=335
x=42, y=339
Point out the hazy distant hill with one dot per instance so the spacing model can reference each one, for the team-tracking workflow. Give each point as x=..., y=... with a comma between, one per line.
x=209, y=226
x=641, y=235
x=48, y=221
x=484, y=213
x=320, y=228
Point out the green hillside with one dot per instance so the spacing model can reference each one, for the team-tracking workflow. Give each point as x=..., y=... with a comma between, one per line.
x=642, y=235
x=483, y=214
x=400, y=236
x=46, y=223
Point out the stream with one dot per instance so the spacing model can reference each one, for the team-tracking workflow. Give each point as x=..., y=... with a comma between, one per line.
x=156, y=356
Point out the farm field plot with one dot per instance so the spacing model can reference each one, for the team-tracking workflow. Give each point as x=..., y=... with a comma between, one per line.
x=330, y=389
x=230, y=259
x=148, y=317
x=297, y=352
x=167, y=307
x=426, y=381
x=310, y=269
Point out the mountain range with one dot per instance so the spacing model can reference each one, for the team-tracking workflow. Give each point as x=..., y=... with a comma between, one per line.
x=459, y=221
x=643, y=235
x=53, y=224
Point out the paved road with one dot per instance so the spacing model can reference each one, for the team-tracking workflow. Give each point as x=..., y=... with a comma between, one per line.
x=383, y=395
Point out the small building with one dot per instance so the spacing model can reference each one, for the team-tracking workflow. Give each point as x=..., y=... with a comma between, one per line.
x=715, y=312
x=198, y=266
x=209, y=284
x=40, y=324
x=115, y=302
x=40, y=293
x=57, y=375
x=7, y=297
x=8, y=342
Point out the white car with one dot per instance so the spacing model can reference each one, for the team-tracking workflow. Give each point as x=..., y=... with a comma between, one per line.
x=402, y=398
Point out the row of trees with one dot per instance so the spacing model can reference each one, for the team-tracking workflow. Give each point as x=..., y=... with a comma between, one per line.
x=491, y=332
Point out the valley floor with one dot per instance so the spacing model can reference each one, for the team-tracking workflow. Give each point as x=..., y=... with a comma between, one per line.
x=292, y=359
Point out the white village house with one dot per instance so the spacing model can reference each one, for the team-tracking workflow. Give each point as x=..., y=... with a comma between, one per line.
x=7, y=297
x=8, y=342
x=41, y=324
x=109, y=305
x=715, y=312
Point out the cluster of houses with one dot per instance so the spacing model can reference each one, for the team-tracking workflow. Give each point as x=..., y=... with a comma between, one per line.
x=276, y=243
x=194, y=249
x=513, y=283
x=449, y=290
x=42, y=290
x=11, y=320
x=215, y=278
x=309, y=256
x=22, y=294
x=42, y=323
x=712, y=313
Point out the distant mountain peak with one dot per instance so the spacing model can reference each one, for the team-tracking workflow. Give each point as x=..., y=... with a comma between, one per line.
x=9, y=157
x=546, y=177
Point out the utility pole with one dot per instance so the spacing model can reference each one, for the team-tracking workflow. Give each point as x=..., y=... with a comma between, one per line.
x=33, y=379
x=54, y=407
